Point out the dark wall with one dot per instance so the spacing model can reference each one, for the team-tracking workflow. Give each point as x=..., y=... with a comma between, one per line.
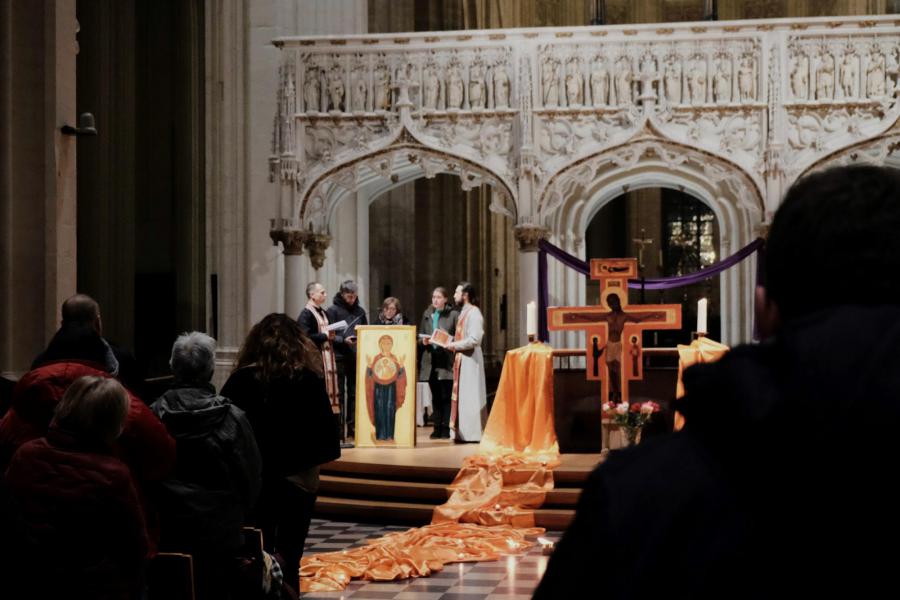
x=141, y=242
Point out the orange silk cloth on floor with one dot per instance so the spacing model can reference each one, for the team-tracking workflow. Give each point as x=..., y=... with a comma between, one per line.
x=701, y=350
x=490, y=512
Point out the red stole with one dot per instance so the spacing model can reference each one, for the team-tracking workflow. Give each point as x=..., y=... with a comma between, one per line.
x=328, y=361
x=457, y=364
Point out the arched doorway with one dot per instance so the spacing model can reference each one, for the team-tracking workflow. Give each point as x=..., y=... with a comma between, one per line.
x=671, y=233
x=427, y=233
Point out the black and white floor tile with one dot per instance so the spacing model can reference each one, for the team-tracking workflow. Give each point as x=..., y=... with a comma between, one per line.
x=510, y=578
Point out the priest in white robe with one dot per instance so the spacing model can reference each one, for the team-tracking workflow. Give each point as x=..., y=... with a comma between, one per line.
x=468, y=411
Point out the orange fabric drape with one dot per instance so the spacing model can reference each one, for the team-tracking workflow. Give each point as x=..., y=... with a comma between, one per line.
x=701, y=350
x=490, y=512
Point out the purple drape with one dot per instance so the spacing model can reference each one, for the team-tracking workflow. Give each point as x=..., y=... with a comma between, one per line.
x=660, y=283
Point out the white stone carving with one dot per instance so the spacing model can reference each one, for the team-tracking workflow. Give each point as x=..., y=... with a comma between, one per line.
x=477, y=87
x=722, y=80
x=431, y=88
x=455, y=87
x=849, y=75
x=312, y=90
x=501, y=87
x=697, y=80
x=360, y=89
x=875, y=75
x=623, y=81
x=550, y=81
x=672, y=79
x=747, y=79
x=599, y=83
x=574, y=83
x=336, y=88
x=800, y=77
x=825, y=78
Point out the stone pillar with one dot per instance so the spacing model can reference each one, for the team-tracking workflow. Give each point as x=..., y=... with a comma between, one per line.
x=37, y=175
x=294, y=284
x=527, y=237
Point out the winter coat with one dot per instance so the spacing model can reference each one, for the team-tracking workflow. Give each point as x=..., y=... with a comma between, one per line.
x=780, y=485
x=218, y=470
x=291, y=417
x=310, y=327
x=354, y=315
x=399, y=319
x=435, y=357
x=81, y=507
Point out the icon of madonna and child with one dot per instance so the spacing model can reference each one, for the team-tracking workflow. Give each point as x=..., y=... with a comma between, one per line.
x=388, y=378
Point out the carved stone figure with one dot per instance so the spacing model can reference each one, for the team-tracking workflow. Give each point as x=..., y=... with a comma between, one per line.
x=360, y=90
x=336, y=88
x=432, y=88
x=825, y=78
x=382, y=88
x=849, y=74
x=697, y=81
x=672, y=80
x=599, y=83
x=550, y=82
x=574, y=84
x=722, y=81
x=747, y=80
x=312, y=91
x=501, y=87
x=623, y=82
x=454, y=87
x=800, y=78
x=875, y=73
x=477, y=87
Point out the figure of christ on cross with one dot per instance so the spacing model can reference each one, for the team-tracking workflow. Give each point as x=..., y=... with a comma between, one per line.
x=612, y=325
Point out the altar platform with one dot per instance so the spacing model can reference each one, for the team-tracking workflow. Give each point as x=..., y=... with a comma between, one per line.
x=386, y=485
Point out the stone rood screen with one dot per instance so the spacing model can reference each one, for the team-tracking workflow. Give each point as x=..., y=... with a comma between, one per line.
x=523, y=110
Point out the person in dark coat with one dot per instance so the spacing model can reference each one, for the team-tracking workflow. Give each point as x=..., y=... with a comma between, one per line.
x=345, y=307
x=81, y=311
x=18, y=567
x=278, y=383
x=218, y=471
x=79, y=501
x=437, y=363
x=780, y=483
x=145, y=446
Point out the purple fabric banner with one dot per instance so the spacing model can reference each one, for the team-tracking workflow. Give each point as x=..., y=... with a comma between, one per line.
x=661, y=283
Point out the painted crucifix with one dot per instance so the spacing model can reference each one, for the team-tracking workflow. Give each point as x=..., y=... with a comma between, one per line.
x=614, y=327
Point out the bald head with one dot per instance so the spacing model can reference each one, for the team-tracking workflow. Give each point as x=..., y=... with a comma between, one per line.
x=81, y=309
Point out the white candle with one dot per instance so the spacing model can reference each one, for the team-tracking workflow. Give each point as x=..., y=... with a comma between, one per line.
x=702, y=306
x=531, y=319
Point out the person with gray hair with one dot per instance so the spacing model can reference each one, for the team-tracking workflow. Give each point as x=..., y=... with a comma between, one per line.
x=218, y=469
x=78, y=499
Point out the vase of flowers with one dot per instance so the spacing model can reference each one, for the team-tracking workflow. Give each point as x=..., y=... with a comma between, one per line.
x=630, y=419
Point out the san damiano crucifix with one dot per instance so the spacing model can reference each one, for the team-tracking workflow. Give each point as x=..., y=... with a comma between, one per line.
x=614, y=327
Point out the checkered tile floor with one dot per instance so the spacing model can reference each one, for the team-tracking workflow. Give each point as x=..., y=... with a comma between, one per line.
x=510, y=578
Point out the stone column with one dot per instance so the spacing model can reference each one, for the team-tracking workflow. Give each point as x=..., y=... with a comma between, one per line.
x=38, y=49
x=527, y=237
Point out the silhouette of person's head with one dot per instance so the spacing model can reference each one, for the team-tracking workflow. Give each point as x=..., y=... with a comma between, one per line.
x=614, y=302
x=836, y=224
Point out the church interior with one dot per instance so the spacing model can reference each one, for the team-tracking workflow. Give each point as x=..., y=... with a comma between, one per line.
x=602, y=173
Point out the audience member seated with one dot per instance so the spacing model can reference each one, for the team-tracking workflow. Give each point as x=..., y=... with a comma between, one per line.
x=780, y=483
x=79, y=312
x=217, y=477
x=278, y=383
x=6, y=391
x=18, y=566
x=79, y=501
x=144, y=444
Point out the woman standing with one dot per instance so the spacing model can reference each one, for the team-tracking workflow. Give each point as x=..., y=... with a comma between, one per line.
x=437, y=363
x=391, y=313
x=278, y=383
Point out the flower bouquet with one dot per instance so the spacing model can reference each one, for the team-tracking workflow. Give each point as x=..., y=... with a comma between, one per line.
x=630, y=419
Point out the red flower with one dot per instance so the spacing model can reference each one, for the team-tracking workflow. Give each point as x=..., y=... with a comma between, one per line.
x=636, y=407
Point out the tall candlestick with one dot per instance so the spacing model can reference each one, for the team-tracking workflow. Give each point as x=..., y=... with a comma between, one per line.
x=702, y=306
x=531, y=319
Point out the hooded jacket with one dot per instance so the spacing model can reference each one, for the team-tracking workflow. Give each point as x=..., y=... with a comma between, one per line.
x=781, y=483
x=354, y=315
x=217, y=474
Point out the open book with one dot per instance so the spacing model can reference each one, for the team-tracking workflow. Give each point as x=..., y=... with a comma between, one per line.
x=441, y=338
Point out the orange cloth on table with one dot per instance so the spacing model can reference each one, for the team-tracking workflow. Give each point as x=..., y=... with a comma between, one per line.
x=521, y=417
x=701, y=350
x=491, y=507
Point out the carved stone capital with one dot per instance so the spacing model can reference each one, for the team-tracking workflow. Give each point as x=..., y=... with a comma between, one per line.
x=528, y=236
x=291, y=239
x=316, y=244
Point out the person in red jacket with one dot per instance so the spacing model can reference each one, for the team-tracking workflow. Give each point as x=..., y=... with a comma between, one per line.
x=78, y=500
x=145, y=445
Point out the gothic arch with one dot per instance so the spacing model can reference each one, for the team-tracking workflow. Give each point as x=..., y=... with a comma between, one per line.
x=877, y=150
x=575, y=194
